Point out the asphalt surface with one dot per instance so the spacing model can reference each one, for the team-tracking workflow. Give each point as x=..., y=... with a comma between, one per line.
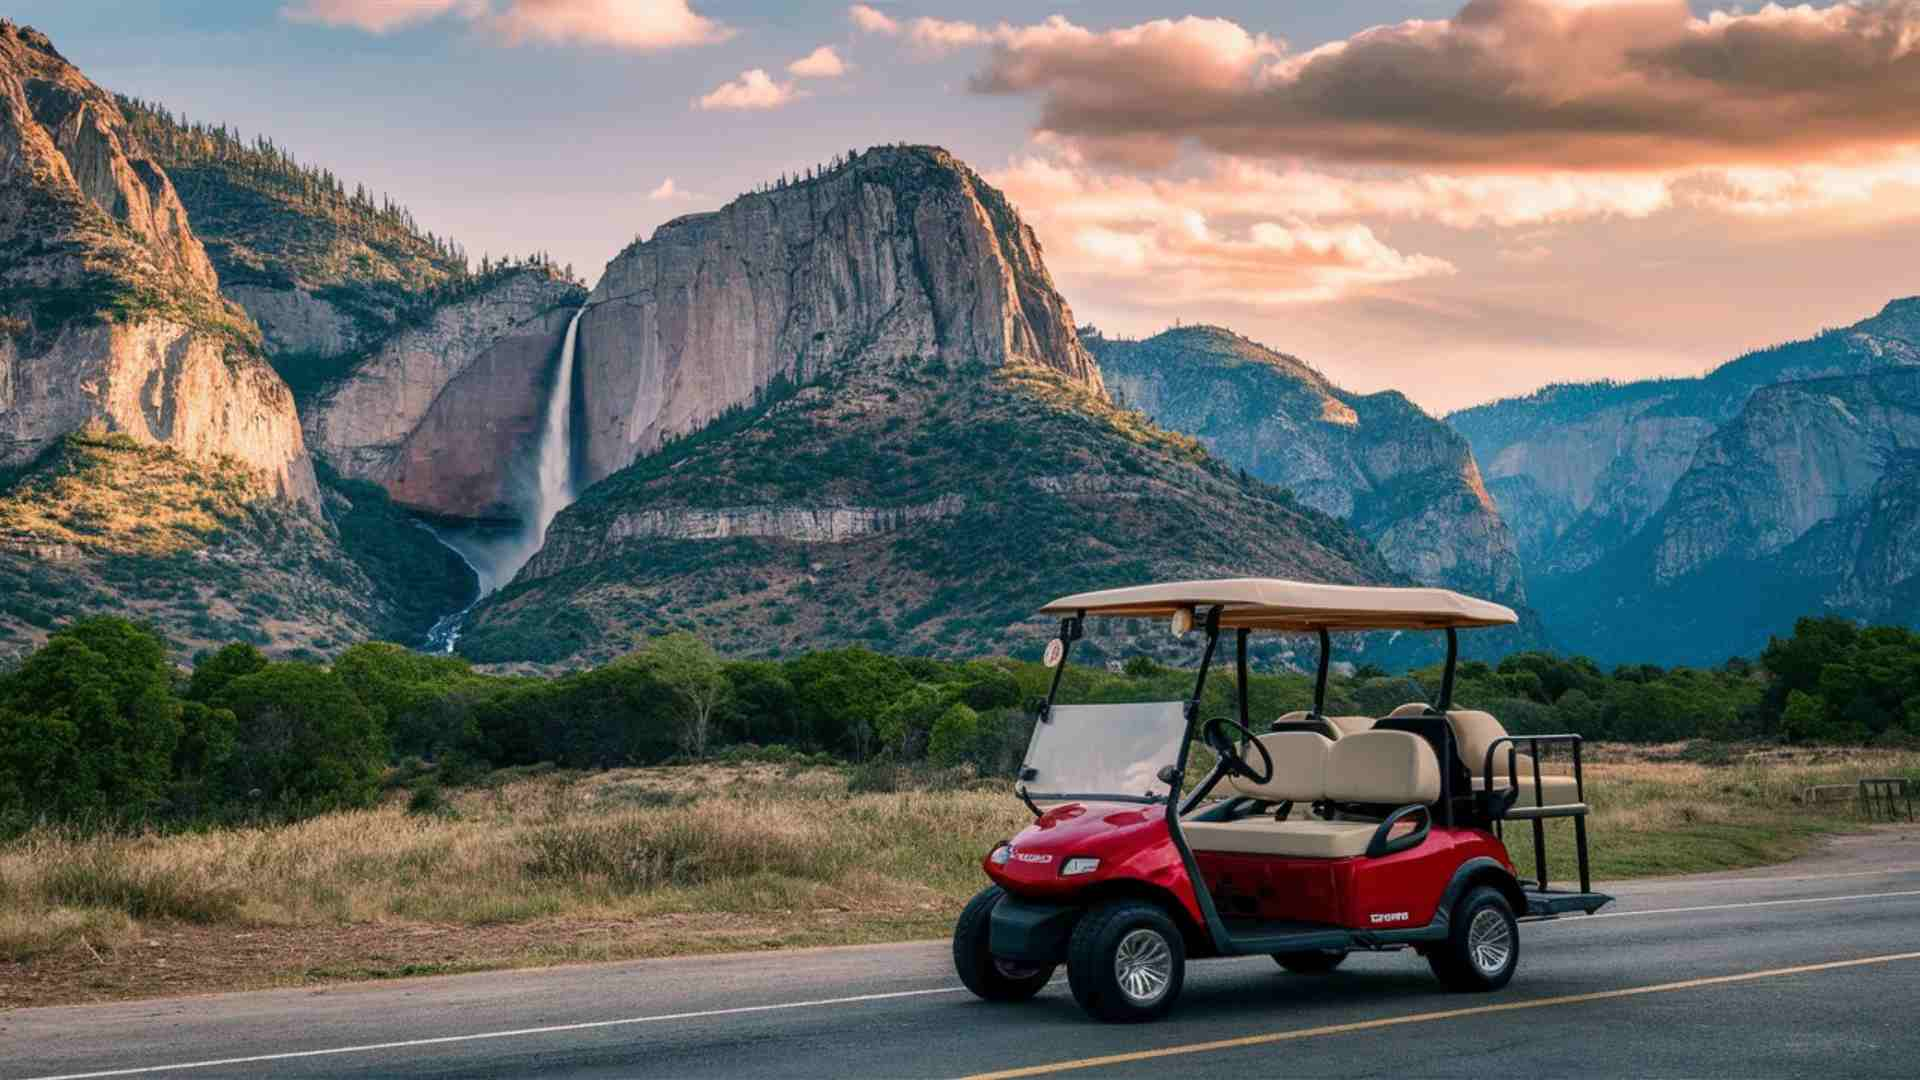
x=1809, y=969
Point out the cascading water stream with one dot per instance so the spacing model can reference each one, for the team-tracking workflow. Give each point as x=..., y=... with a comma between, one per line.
x=496, y=558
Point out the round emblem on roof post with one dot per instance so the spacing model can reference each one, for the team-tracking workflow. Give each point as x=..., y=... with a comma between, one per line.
x=1182, y=621
x=1056, y=652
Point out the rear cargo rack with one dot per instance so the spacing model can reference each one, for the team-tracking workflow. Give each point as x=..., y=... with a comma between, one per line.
x=1541, y=900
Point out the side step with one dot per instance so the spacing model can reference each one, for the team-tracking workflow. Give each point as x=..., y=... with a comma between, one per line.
x=1553, y=903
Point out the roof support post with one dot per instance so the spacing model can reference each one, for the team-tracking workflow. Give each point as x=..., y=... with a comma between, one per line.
x=1446, y=677
x=1320, y=679
x=1240, y=675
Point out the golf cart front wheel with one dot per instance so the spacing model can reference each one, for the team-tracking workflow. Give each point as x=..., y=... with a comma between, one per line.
x=1316, y=962
x=1127, y=962
x=988, y=976
x=1483, y=946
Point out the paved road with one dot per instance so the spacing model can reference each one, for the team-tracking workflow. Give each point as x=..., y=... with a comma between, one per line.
x=1812, y=969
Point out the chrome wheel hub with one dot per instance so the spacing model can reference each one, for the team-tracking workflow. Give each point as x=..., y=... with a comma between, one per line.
x=1143, y=966
x=1489, y=941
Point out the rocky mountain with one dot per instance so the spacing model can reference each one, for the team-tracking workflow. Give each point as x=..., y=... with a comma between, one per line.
x=1800, y=500
x=1402, y=479
x=109, y=309
x=151, y=459
x=897, y=252
x=854, y=409
x=1580, y=470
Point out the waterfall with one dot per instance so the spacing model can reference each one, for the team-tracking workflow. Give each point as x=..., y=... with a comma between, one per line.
x=496, y=555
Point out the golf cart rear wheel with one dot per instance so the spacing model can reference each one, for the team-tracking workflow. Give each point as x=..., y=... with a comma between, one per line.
x=1483, y=946
x=988, y=976
x=1127, y=962
x=1316, y=962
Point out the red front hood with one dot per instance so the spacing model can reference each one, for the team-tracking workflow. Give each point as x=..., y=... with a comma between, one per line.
x=1130, y=840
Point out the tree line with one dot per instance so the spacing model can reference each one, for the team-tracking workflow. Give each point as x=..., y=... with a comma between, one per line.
x=99, y=726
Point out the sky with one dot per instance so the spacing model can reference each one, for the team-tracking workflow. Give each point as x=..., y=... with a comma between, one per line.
x=1456, y=199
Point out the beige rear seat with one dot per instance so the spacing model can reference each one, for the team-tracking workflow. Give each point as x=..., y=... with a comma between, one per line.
x=1380, y=767
x=1474, y=731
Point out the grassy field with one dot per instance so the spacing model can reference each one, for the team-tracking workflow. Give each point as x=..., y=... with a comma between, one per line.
x=538, y=868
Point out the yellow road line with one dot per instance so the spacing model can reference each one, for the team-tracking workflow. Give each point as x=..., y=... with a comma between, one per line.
x=1421, y=1018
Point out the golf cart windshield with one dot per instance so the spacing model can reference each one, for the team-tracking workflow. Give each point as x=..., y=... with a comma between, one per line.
x=1105, y=751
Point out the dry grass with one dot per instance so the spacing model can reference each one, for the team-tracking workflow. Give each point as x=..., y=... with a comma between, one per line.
x=655, y=861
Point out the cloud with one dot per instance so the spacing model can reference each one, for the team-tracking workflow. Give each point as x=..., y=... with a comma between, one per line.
x=1168, y=244
x=941, y=34
x=1573, y=84
x=665, y=191
x=639, y=25
x=379, y=16
x=872, y=21
x=752, y=90
x=821, y=63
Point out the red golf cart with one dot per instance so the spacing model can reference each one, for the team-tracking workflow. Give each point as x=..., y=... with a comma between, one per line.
x=1327, y=835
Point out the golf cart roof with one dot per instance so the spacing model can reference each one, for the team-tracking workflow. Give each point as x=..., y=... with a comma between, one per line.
x=1275, y=604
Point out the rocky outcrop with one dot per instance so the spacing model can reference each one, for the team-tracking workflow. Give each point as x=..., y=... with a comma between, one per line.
x=441, y=415
x=1402, y=479
x=109, y=310
x=1600, y=460
x=60, y=135
x=899, y=252
x=801, y=524
x=1799, y=454
x=161, y=383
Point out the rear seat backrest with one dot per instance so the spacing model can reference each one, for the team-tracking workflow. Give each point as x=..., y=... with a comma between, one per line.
x=1383, y=767
x=1473, y=732
x=1351, y=725
x=1411, y=708
x=1299, y=768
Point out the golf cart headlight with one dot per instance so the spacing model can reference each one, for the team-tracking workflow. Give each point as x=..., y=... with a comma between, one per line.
x=1079, y=866
x=1001, y=854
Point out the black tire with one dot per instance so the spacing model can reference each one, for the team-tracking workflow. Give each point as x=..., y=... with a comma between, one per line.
x=1142, y=936
x=989, y=978
x=1482, y=961
x=1317, y=962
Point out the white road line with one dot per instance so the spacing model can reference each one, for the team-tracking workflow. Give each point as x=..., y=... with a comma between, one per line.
x=590, y=1025
x=1749, y=879
x=1727, y=907
x=516, y=1033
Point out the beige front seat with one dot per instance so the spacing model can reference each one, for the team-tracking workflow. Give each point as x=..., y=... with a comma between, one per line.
x=1392, y=768
x=1474, y=731
x=1342, y=725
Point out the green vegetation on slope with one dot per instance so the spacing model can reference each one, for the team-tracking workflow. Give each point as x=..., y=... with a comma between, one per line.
x=204, y=551
x=987, y=491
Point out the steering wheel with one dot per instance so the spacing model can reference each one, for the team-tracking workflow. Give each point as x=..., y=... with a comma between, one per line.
x=1214, y=733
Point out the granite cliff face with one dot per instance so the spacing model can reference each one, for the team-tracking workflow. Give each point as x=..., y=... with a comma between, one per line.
x=1798, y=455
x=110, y=314
x=898, y=252
x=1580, y=470
x=1402, y=479
x=440, y=414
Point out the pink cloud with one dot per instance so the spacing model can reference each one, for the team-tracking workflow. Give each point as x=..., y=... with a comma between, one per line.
x=379, y=16
x=639, y=25
x=821, y=63
x=941, y=34
x=872, y=20
x=754, y=89
x=1575, y=84
x=1159, y=244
